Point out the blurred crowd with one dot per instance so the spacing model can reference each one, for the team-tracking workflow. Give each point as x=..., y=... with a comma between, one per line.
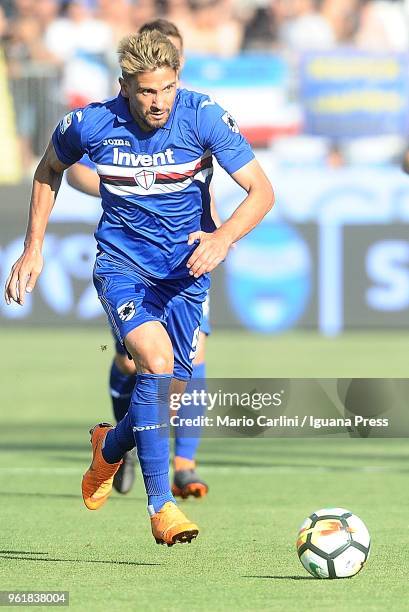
x=76, y=40
x=55, y=31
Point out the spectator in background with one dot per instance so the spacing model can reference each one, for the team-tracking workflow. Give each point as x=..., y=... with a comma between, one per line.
x=177, y=11
x=7, y=8
x=21, y=8
x=3, y=24
x=303, y=26
x=261, y=29
x=25, y=43
x=214, y=28
x=117, y=15
x=83, y=43
x=343, y=15
x=24, y=49
x=383, y=25
x=46, y=11
x=141, y=12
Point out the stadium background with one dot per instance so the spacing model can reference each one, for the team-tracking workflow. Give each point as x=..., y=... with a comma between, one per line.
x=321, y=288
x=321, y=93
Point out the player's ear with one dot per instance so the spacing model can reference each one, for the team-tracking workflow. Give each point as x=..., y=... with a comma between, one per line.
x=124, y=87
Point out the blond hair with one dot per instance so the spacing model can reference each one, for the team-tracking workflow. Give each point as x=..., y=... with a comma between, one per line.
x=145, y=52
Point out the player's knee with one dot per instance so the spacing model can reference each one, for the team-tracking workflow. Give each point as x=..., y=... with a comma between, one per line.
x=159, y=364
x=125, y=365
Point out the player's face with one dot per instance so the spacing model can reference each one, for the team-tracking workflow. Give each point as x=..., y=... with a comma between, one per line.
x=151, y=96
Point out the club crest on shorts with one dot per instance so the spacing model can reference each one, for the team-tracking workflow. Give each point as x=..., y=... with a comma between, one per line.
x=126, y=311
x=145, y=178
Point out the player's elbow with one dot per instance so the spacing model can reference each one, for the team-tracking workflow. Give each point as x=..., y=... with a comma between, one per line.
x=45, y=172
x=270, y=198
x=267, y=196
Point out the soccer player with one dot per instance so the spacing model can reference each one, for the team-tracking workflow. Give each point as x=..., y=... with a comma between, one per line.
x=186, y=481
x=156, y=244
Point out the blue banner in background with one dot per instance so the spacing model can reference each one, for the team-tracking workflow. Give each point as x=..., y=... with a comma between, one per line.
x=248, y=70
x=346, y=93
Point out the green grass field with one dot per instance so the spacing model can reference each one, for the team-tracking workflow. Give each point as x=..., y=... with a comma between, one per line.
x=53, y=388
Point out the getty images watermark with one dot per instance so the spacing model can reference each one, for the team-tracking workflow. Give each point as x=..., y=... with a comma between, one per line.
x=252, y=399
x=292, y=407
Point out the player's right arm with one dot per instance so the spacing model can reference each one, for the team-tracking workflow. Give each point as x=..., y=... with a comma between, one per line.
x=65, y=148
x=27, y=268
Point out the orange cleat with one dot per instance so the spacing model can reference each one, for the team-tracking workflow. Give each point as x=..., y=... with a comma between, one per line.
x=170, y=526
x=97, y=480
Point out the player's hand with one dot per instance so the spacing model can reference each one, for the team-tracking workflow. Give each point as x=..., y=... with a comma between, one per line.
x=23, y=276
x=211, y=251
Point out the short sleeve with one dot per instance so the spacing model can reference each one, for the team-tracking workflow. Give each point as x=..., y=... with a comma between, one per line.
x=219, y=132
x=85, y=161
x=69, y=137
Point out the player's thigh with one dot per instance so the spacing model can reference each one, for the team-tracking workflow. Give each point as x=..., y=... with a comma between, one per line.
x=151, y=348
x=135, y=311
x=183, y=326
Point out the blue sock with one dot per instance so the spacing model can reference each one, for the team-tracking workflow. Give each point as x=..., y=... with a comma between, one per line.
x=187, y=439
x=118, y=441
x=121, y=387
x=149, y=409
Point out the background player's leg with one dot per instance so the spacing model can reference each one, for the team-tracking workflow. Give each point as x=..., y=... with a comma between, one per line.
x=183, y=323
x=122, y=378
x=186, y=444
x=122, y=381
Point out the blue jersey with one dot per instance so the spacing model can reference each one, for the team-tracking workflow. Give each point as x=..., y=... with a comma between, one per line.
x=154, y=185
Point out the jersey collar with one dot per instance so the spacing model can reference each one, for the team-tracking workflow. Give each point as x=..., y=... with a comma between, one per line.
x=123, y=113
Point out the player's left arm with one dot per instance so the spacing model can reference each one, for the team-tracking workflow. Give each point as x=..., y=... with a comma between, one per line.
x=83, y=177
x=214, y=247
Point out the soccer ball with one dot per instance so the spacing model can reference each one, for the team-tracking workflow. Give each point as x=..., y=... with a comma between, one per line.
x=333, y=543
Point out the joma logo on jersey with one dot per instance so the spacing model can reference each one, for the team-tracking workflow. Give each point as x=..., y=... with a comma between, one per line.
x=118, y=142
x=123, y=158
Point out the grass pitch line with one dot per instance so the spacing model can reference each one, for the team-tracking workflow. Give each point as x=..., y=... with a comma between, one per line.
x=274, y=469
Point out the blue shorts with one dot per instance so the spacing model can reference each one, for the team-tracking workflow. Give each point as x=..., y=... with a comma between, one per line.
x=130, y=299
x=205, y=327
